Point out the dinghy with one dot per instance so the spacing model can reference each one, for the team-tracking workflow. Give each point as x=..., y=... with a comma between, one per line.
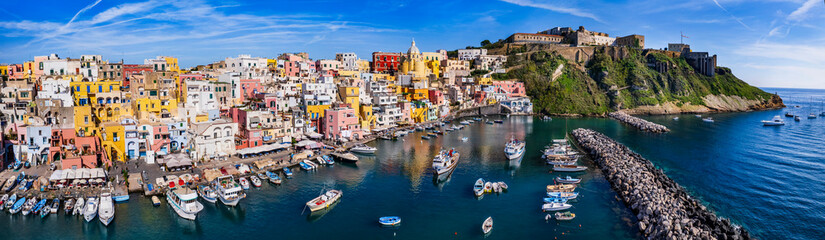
x=565, y=216
x=255, y=181
x=561, y=188
x=568, y=168
x=547, y=207
x=389, y=221
x=487, y=226
x=478, y=187
x=568, y=180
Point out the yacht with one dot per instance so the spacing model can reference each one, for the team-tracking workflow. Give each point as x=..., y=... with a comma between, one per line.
x=514, y=149
x=708, y=119
x=79, y=206
x=90, y=211
x=324, y=201
x=555, y=206
x=229, y=192
x=363, y=149
x=106, y=210
x=445, y=162
x=185, y=202
x=776, y=121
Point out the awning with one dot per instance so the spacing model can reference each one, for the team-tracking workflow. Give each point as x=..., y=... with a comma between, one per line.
x=260, y=149
x=56, y=175
x=98, y=173
x=314, y=135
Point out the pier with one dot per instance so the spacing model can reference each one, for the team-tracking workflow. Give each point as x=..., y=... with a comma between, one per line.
x=663, y=207
x=638, y=123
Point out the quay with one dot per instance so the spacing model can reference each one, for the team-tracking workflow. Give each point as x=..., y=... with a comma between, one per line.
x=638, y=123
x=663, y=208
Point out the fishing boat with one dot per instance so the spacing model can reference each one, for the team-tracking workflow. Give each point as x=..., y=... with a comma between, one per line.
x=207, y=193
x=229, y=192
x=328, y=159
x=18, y=205
x=305, y=166
x=561, y=187
x=487, y=226
x=363, y=149
x=106, y=210
x=68, y=206
x=555, y=200
x=3, y=201
x=568, y=180
x=445, y=162
x=55, y=206
x=40, y=206
x=345, y=157
x=255, y=181
x=287, y=172
x=90, y=211
x=490, y=122
x=27, y=208
x=389, y=221
x=547, y=207
x=503, y=186
x=499, y=121
x=45, y=211
x=9, y=202
x=465, y=122
x=568, y=168
x=514, y=148
x=273, y=177
x=79, y=206
x=185, y=202
x=565, y=195
x=324, y=201
x=796, y=118
x=419, y=128
x=776, y=121
x=155, y=201
x=488, y=187
x=707, y=119
x=565, y=216
x=812, y=116
x=562, y=161
x=425, y=137
x=244, y=183
x=10, y=183
x=262, y=176
x=478, y=187
x=788, y=114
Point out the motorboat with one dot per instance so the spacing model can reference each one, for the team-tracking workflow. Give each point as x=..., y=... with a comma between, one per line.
x=432, y=135
x=464, y=139
x=812, y=116
x=262, y=176
x=546, y=118
x=287, y=172
x=9, y=201
x=68, y=206
x=90, y=211
x=305, y=166
x=565, y=216
x=503, y=185
x=345, y=157
x=555, y=200
x=776, y=121
x=425, y=137
x=565, y=195
x=273, y=177
x=568, y=168
x=363, y=149
x=562, y=161
x=698, y=115
x=324, y=201
x=17, y=206
x=487, y=226
x=514, y=149
x=568, y=180
x=707, y=119
x=675, y=118
x=79, y=206
x=45, y=211
x=465, y=122
x=789, y=114
x=478, y=187
x=207, y=193
x=28, y=206
x=55, y=206
x=499, y=121
x=389, y=221
x=561, y=188
x=229, y=192
x=185, y=202
x=39, y=206
x=328, y=159
x=255, y=181
x=445, y=162
x=547, y=207
x=244, y=183
x=490, y=122
x=796, y=118
x=106, y=210
x=155, y=201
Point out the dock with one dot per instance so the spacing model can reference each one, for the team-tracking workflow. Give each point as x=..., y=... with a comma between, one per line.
x=638, y=123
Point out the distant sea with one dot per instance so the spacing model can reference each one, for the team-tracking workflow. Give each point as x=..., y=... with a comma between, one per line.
x=769, y=179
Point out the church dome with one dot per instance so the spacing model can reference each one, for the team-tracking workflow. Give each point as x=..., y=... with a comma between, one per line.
x=413, y=49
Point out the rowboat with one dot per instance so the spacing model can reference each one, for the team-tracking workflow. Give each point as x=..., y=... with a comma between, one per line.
x=555, y=207
x=488, y=187
x=561, y=188
x=305, y=166
x=389, y=221
x=565, y=216
x=287, y=172
x=207, y=193
x=10, y=201
x=55, y=206
x=568, y=168
x=503, y=185
x=273, y=177
x=18, y=205
x=262, y=176
x=487, y=226
x=496, y=187
x=255, y=181
x=478, y=187
x=155, y=201
x=324, y=201
x=244, y=183
x=564, y=195
x=328, y=159
x=568, y=179
x=79, y=206
x=555, y=200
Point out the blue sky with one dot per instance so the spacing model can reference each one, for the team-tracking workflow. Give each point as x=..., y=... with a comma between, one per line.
x=768, y=43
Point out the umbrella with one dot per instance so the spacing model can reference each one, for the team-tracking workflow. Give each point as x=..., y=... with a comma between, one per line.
x=180, y=182
x=171, y=184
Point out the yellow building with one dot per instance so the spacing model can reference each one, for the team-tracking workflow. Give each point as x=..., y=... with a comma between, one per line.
x=419, y=114
x=4, y=70
x=84, y=122
x=366, y=117
x=412, y=94
x=363, y=65
x=484, y=80
x=350, y=95
x=112, y=138
x=316, y=111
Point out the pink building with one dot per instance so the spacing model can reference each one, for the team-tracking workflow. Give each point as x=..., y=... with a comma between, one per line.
x=511, y=88
x=406, y=112
x=341, y=123
x=251, y=87
x=269, y=100
x=248, y=136
x=436, y=97
x=162, y=142
x=76, y=152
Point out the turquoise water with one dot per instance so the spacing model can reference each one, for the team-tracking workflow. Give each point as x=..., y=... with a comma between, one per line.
x=767, y=179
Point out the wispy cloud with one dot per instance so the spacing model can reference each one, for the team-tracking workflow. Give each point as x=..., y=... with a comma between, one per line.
x=90, y=6
x=802, y=12
x=739, y=20
x=555, y=8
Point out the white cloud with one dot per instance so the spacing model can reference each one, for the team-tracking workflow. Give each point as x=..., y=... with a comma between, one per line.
x=802, y=12
x=123, y=9
x=554, y=8
x=90, y=6
x=739, y=20
x=783, y=65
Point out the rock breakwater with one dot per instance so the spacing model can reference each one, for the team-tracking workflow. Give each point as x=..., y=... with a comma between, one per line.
x=639, y=123
x=663, y=207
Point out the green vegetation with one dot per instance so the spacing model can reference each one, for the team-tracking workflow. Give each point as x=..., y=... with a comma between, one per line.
x=607, y=84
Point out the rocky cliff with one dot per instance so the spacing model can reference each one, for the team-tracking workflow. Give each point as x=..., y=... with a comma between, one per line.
x=604, y=79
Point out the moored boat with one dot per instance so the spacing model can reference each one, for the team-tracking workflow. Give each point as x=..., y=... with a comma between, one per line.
x=561, y=188
x=708, y=119
x=45, y=211
x=445, y=162
x=185, y=202
x=568, y=168
x=305, y=166
x=287, y=172
x=155, y=201
x=207, y=193
x=555, y=207
x=389, y=221
x=28, y=206
x=324, y=201
x=328, y=159
x=478, y=187
x=90, y=211
x=514, y=148
x=564, y=195
x=79, y=206
x=244, y=183
x=488, y=187
x=565, y=216
x=487, y=225
x=18, y=205
x=55, y=206
x=776, y=121
x=255, y=181
x=273, y=177
x=345, y=157
x=363, y=149
x=106, y=210
x=229, y=192
x=503, y=185
x=555, y=200
x=568, y=180
x=68, y=206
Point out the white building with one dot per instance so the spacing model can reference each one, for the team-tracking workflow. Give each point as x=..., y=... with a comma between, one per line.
x=349, y=61
x=200, y=96
x=490, y=62
x=470, y=54
x=212, y=139
x=56, y=87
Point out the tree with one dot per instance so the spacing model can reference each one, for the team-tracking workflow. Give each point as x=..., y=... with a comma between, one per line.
x=485, y=42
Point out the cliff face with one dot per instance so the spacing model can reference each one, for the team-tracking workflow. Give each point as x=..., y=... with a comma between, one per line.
x=615, y=78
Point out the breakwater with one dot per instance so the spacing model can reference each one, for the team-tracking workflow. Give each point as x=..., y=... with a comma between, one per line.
x=663, y=207
x=639, y=123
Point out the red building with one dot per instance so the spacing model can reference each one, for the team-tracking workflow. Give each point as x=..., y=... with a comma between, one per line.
x=385, y=62
x=132, y=69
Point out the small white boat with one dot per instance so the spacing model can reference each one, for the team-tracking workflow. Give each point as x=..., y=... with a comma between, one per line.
x=389, y=221
x=568, y=168
x=708, y=119
x=90, y=212
x=565, y=216
x=464, y=139
x=185, y=202
x=244, y=183
x=106, y=210
x=445, y=163
x=487, y=226
x=514, y=149
x=478, y=187
x=55, y=206
x=496, y=188
x=363, y=149
x=255, y=181
x=698, y=115
x=324, y=201
x=503, y=185
x=79, y=206
x=776, y=121
x=676, y=118
x=207, y=193
x=564, y=195
x=155, y=201
x=68, y=206
x=568, y=179
x=555, y=207
x=488, y=187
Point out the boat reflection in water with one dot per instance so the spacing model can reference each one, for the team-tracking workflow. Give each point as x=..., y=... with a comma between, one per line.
x=317, y=215
x=234, y=214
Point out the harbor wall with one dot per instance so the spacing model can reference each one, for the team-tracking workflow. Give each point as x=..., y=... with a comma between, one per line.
x=638, y=123
x=663, y=208
x=492, y=109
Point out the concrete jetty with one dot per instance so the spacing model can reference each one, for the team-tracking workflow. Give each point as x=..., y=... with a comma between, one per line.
x=639, y=123
x=663, y=207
